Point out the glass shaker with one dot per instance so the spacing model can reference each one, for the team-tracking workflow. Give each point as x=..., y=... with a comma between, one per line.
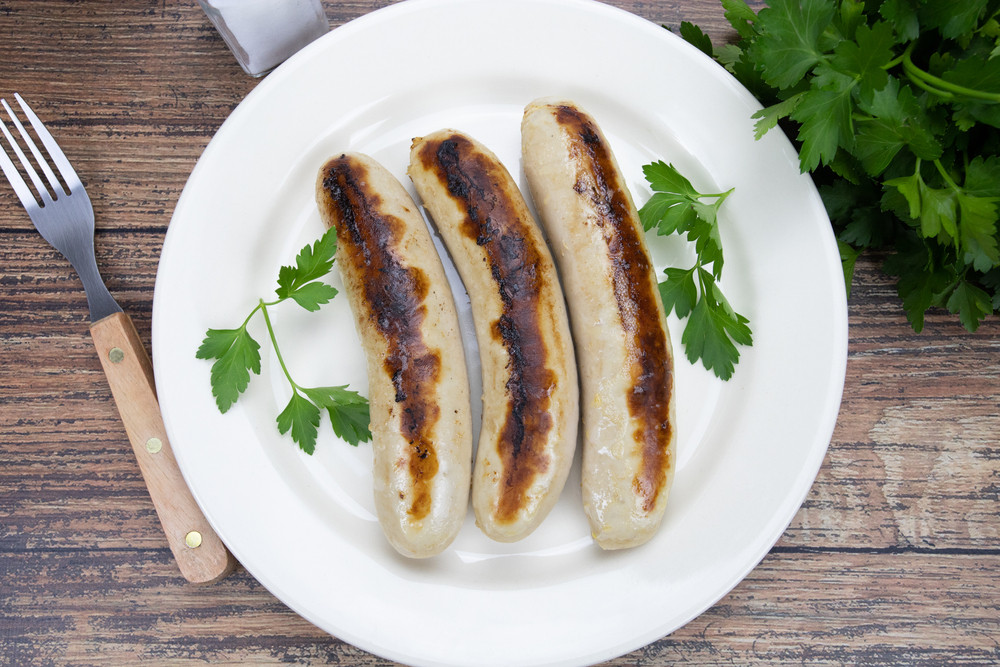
x=264, y=33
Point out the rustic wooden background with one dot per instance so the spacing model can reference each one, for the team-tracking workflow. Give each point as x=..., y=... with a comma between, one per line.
x=893, y=559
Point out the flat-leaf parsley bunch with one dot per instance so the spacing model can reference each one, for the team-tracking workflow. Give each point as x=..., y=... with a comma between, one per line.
x=237, y=354
x=894, y=106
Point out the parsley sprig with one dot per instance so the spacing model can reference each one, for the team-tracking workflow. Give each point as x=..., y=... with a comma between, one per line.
x=237, y=354
x=894, y=106
x=713, y=329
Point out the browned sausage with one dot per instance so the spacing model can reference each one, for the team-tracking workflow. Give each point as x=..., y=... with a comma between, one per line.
x=418, y=385
x=619, y=329
x=530, y=391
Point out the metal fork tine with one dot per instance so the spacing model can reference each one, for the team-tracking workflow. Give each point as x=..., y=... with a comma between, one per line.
x=62, y=164
x=56, y=189
x=25, y=163
x=21, y=188
x=40, y=160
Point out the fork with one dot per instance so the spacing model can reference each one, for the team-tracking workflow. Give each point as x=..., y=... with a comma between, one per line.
x=64, y=216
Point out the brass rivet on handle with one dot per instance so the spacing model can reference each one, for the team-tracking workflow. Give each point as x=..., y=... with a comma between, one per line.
x=153, y=445
x=116, y=354
x=193, y=539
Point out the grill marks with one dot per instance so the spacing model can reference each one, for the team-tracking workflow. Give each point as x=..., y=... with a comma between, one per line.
x=497, y=226
x=367, y=241
x=651, y=365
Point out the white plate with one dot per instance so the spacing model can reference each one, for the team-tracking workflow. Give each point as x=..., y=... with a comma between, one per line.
x=304, y=526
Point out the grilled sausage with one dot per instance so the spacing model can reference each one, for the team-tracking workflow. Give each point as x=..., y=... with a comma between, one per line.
x=530, y=390
x=406, y=318
x=619, y=329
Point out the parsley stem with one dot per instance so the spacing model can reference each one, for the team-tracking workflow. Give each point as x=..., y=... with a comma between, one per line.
x=247, y=320
x=274, y=343
x=946, y=176
x=944, y=94
x=892, y=63
x=939, y=86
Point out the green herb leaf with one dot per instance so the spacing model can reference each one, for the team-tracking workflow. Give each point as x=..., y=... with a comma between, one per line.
x=982, y=177
x=922, y=281
x=975, y=73
x=768, y=117
x=952, y=18
x=313, y=295
x=678, y=292
x=237, y=354
x=896, y=123
x=348, y=410
x=848, y=258
x=991, y=281
x=696, y=37
x=740, y=16
x=302, y=418
x=971, y=303
x=711, y=334
x=938, y=213
x=713, y=328
x=826, y=116
x=663, y=177
x=865, y=58
x=978, y=231
x=313, y=261
x=902, y=15
x=787, y=39
x=668, y=213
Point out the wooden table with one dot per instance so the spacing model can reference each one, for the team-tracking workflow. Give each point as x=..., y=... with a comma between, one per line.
x=893, y=559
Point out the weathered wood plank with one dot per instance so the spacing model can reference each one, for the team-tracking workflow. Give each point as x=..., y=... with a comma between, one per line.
x=828, y=609
x=915, y=458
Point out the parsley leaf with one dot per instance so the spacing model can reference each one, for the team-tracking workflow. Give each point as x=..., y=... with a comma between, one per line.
x=978, y=231
x=237, y=354
x=348, y=411
x=826, y=122
x=922, y=281
x=300, y=416
x=971, y=303
x=313, y=261
x=740, y=16
x=678, y=292
x=695, y=35
x=768, y=117
x=713, y=328
x=952, y=18
x=787, y=39
x=864, y=59
x=902, y=15
x=313, y=295
x=894, y=122
x=848, y=257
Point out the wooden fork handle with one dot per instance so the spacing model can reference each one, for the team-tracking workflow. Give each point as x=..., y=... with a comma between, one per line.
x=200, y=554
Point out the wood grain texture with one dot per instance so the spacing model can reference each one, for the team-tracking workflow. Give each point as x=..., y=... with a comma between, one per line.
x=893, y=559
